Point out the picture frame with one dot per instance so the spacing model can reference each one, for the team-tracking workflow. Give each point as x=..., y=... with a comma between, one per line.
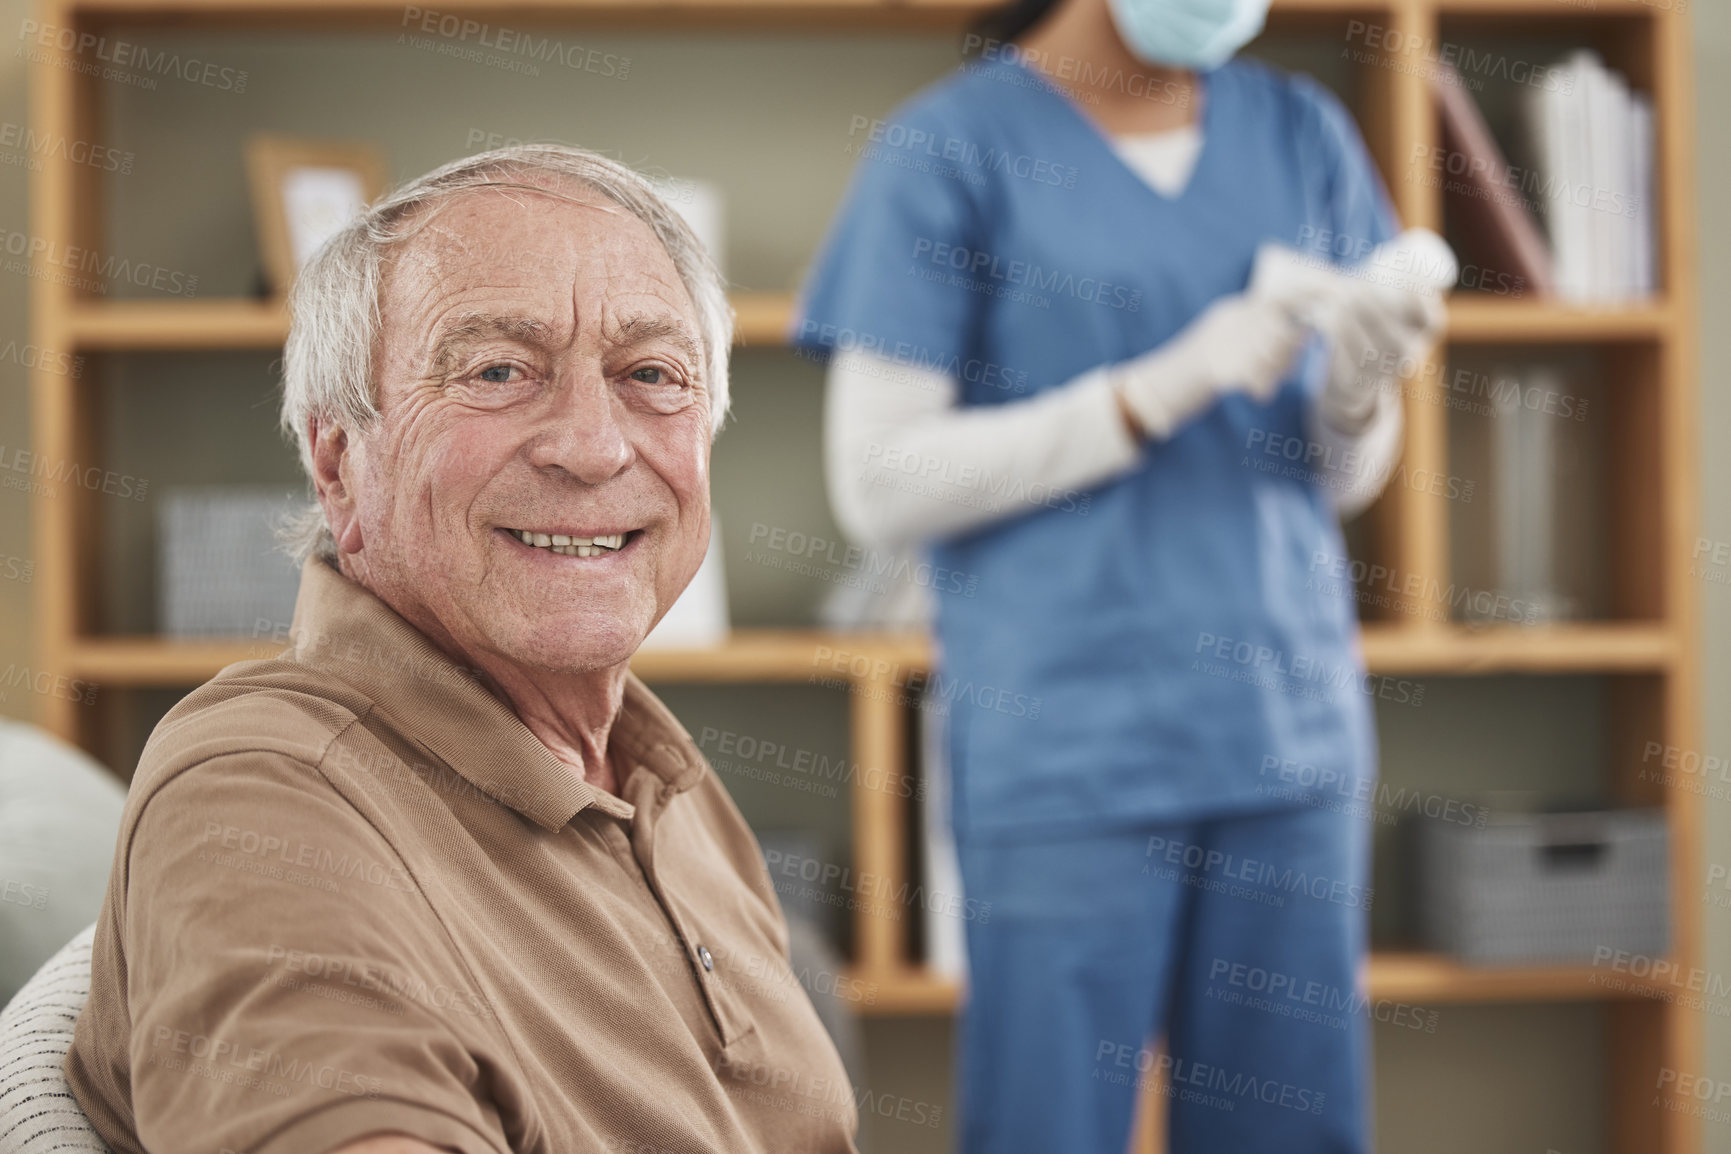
x=302, y=191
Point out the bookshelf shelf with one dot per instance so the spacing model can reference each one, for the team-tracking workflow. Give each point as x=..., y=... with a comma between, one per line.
x=187, y=325
x=787, y=655
x=897, y=13
x=364, y=15
x=749, y=655
x=1597, y=647
x=1650, y=661
x=1422, y=980
x=237, y=323
x=1488, y=320
x=901, y=12
x=1552, y=11
x=762, y=320
x=904, y=991
x=1425, y=978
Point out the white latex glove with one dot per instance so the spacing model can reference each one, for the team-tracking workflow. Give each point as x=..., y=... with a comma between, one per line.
x=1380, y=316
x=1238, y=344
x=1379, y=336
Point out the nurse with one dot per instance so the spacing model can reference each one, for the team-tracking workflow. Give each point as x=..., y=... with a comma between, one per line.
x=1056, y=360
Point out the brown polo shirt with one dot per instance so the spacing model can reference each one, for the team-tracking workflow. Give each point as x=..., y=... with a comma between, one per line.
x=353, y=893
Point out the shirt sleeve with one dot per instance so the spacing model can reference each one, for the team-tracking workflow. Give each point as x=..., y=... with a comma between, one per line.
x=290, y=988
x=1355, y=202
x=1360, y=216
x=890, y=278
x=1365, y=459
x=883, y=422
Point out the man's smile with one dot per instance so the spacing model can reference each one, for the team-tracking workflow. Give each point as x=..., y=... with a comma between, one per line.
x=576, y=544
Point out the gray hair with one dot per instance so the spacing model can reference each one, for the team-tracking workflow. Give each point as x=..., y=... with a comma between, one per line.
x=334, y=304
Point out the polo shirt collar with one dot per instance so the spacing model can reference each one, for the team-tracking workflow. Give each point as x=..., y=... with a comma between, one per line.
x=343, y=629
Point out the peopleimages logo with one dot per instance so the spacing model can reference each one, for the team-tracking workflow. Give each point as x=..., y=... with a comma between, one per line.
x=1199, y=1082
x=1385, y=587
x=24, y=141
x=518, y=47
x=901, y=354
x=375, y=978
x=868, y=562
x=839, y=885
x=968, y=157
x=125, y=57
x=43, y=472
x=212, y=1057
x=46, y=684
x=34, y=897
x=806, y=769
x=1296, y=674
x=1268, y=879
x=864, y=673
x=1019, y=279
x=88, y=269
x=1304, y=777
x=1305, y=999
x=967, y=483
x=1459, y=64
x=273, y=850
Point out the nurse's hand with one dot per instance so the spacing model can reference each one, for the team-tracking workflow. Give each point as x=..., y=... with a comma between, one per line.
x=1380, y=334
x=1237, y=344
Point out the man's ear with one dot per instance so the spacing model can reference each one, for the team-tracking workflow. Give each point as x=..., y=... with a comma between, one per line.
x=333, y=468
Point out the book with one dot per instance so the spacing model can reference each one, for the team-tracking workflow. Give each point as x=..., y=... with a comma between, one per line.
x=1643, y=161
x=945, y=934
x=1496, y=229
x=1592, y=139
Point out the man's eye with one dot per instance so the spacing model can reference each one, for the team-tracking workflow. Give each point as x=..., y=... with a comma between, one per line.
x=497, y=374
x=649, y=375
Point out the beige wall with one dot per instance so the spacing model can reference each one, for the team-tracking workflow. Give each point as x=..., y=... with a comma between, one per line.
x=1492, y=1081
x=1712, y=26
x=14, y=386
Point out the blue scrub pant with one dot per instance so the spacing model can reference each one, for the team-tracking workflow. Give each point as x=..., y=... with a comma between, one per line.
x=1238, y=939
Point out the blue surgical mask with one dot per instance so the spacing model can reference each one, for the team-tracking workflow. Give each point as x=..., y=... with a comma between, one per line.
x=1200, y=34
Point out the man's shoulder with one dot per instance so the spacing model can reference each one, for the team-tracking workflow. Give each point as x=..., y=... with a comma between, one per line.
x=275, y=707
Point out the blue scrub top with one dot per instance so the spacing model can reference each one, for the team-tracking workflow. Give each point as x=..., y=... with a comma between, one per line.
x=1169, y=644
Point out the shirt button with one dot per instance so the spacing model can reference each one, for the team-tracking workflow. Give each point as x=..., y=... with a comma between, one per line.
x=708, y=960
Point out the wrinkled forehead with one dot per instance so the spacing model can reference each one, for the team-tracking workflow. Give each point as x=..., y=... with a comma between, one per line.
x=535, y=250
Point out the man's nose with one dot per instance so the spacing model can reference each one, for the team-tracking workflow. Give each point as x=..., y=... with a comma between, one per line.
x=584, y=432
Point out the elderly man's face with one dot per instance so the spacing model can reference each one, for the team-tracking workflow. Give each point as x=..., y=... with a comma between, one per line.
x=540, y=373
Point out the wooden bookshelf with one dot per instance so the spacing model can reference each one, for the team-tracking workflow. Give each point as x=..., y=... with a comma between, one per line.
x=1646, y=651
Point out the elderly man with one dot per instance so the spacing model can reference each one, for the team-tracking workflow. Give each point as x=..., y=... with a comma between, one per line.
x=445, y=875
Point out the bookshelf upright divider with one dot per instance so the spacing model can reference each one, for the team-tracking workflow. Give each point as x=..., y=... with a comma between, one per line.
x=1421, y=546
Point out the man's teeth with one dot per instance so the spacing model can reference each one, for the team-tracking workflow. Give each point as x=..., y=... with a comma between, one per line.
x=571, y=546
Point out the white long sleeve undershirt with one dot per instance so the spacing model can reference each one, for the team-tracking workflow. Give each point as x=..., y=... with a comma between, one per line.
x=906, y=464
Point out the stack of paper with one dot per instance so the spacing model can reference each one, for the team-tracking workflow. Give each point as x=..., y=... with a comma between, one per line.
x=946, y=936
x=1526, y=497
x=1593, y=146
